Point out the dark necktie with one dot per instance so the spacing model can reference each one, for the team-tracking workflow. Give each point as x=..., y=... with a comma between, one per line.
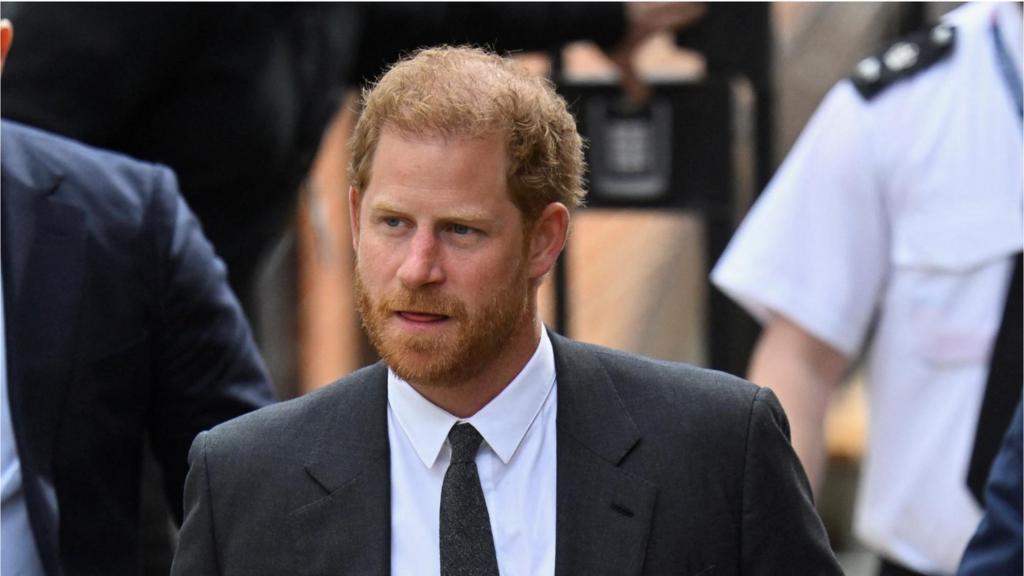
x=467, y=547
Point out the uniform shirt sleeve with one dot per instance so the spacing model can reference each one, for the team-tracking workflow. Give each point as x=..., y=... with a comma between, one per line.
x=814, y=248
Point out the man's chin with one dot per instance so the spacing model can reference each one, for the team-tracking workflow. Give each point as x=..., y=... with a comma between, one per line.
x=423, y=347
x=422, y=370
x=416, y=357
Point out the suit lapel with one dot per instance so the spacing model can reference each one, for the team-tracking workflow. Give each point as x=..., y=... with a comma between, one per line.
x=603, y=513
x=44, y=247
x=347, y=530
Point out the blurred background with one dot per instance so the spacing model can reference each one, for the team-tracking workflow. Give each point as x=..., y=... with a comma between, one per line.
x=669, y=183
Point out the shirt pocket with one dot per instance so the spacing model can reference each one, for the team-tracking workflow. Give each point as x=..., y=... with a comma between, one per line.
x=951, y=263
x=956, y=235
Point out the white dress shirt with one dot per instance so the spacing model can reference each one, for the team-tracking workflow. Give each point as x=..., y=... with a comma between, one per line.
x=516, y=463
x=18, y=554
x=891, y=225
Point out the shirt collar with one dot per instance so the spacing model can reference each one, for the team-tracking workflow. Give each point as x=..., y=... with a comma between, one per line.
x=503, y=422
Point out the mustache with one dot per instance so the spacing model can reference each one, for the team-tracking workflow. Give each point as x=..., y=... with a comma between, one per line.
x=422, y=302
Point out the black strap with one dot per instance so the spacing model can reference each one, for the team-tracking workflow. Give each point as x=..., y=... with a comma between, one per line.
x=889, y=568
x=1003, y=389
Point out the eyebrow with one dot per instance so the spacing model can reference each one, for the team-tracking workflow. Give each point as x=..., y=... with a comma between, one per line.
x=457, y=215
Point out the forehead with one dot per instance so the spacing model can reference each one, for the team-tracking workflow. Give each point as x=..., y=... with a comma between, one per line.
x=438, y=169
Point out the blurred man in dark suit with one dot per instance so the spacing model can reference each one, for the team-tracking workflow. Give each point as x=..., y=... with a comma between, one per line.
x=119, y=328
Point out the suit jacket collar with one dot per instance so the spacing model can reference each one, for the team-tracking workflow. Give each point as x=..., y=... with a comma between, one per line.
x=348, y=528
x=603, y=512
x=43, y=260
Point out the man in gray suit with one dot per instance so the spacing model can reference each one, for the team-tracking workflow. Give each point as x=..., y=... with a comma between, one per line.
x=482, y=443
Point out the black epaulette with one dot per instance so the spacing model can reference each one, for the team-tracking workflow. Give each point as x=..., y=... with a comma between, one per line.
x=903, y=59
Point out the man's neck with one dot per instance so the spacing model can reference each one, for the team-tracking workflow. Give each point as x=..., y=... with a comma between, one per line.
x=467, y=397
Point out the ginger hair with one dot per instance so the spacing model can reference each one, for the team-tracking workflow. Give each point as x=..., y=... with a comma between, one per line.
x=467, y=92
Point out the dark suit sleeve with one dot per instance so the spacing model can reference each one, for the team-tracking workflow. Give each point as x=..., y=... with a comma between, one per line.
x=781, y=531
x=206, y=366
x=998, y=545
x=197, y=545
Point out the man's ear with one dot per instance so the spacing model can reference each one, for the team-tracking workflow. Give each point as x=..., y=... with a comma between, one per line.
x=6, y=38
x=353, y=215
x=547, y=238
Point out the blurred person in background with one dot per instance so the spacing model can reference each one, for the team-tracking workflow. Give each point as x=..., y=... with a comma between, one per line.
x=236, y=96
x=892, y=231
x=482, y=443
x=119, y=330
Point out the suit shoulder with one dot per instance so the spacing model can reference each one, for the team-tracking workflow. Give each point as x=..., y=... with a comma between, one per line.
x=61, y=153
x=676, y=408
x=94, y=178
x=903, y=59
x=640, y=378
x=665, y=372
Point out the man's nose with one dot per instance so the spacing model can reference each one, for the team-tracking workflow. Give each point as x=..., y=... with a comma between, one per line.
x=422, y=263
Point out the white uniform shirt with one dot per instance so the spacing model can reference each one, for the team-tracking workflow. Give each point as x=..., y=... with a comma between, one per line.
x=902, y=210
x=516, y=463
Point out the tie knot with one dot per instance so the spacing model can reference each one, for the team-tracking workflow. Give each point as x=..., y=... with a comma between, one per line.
x=465, y=441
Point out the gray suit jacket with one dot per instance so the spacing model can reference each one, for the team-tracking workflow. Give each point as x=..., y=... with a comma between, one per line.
x=662, y=469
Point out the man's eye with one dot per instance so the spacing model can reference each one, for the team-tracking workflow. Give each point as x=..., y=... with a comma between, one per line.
x=461, y=229
x=392, y=222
